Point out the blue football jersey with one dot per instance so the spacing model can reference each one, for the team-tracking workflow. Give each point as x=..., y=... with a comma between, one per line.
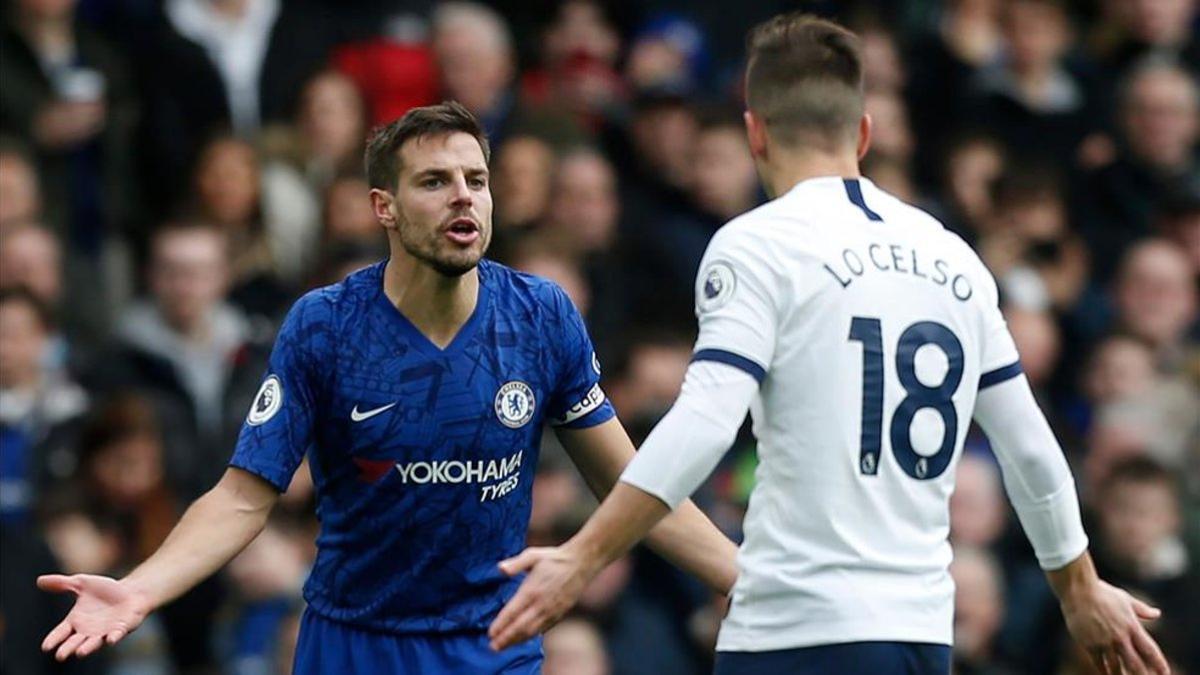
x=423, y=458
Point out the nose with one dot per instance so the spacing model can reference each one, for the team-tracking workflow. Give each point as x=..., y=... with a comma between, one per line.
x=461, y=194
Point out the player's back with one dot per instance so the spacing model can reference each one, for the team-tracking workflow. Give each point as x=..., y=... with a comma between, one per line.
x=881, y=319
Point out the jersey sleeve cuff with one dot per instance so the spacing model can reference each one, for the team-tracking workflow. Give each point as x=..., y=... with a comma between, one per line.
x=998, y=375
x=277, y=481
x=729, y=358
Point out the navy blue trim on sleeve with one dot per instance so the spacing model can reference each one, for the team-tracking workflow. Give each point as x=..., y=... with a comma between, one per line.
x=730, y=359
x=854, y=192
x=994, y=377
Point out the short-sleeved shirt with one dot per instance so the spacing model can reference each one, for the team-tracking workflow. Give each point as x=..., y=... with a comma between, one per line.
x=423, y=458
x=871, y=328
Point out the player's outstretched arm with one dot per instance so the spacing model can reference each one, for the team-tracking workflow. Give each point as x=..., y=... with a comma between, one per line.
x=1103, y=619
x=685, y=536
x=212, y=531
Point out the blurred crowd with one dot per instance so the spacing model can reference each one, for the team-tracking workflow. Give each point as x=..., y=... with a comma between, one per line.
x=174, y=173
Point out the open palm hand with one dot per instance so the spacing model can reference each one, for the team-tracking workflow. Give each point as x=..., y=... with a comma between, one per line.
x=105, y=611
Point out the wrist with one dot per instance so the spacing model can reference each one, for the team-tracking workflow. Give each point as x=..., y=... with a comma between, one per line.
x=587, y=555
x=1077, y=579
x=140, y=595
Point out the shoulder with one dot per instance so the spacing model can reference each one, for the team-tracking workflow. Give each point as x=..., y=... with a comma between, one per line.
x=514, y=290
x=321, y=311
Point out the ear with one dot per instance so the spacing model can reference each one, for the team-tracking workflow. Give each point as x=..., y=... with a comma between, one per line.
x=381, y=204
x=756, y=134
x=864, y=135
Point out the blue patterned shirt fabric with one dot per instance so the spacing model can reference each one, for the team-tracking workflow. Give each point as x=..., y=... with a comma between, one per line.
x=423, y=458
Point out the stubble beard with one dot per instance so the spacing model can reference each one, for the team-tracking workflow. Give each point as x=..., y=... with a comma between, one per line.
x=450, y=264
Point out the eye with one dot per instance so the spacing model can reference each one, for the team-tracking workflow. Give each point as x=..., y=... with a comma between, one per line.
x=432, y=183
x=477, y=183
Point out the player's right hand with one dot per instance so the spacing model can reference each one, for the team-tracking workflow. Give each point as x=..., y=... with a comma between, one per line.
x=1107, y=622
x=105, y=611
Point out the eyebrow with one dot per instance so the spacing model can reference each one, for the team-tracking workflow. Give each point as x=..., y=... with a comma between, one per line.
x=442, y=171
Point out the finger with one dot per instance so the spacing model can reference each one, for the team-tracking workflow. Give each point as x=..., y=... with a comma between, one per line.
x=1144, y=611
x=1109, y=663
x=522, y=562
x=511, y=610
x=114, y=637
x=67, y=648
x=1150, y=652
x=525, y=627
x=57, y=583
x=89, y=646
x=1131, y=661
x=55, y=637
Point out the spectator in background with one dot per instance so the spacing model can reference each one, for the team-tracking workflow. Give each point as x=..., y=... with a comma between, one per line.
x=1156, y=299
x=300, y=163
x=1032, y=102
x=228, y=194
x=890, y=132
x=979, y=608
x=1158, y=109
x=581, y=218
x=978, y=507
x=245, y=63
x=1038, y=342
x=580, y=48
x=1160, y=424
x=972, y=164
x=1120, y=367
x=1029, y=247
x=574, y=646
x=1136, y=29
x=669, y=52
x=1140, y=525
x=652, y=155
x=666, y=252
x=31, y=257
x=69, y=94
x=347, y=213
x=646, y=383
x=40, y=408
x=394, y=67
x=964, y=38
x=522, y=172
x=581, y=224
x=476, y=63
x=1179, y=221
x=883, y=68
x=191, y=350
x=20, y=192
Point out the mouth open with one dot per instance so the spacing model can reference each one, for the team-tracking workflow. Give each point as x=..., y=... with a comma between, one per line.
x=462, y=231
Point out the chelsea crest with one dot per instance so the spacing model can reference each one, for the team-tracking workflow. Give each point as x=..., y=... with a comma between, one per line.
x=514, y=404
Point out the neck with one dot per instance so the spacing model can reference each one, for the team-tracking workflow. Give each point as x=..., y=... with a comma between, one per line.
x=786, y=169
x=436, y=304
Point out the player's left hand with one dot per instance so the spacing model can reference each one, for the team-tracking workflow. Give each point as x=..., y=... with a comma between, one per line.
x=556, y=578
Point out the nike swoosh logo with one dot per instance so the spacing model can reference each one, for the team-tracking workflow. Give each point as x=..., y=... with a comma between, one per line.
x=357, y=416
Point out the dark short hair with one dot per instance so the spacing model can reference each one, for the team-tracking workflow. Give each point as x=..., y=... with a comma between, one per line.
x=1141, y=470
x=804, y=78
x=383, y=149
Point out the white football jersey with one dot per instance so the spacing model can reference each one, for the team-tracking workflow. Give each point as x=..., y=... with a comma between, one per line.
x=871, y=329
